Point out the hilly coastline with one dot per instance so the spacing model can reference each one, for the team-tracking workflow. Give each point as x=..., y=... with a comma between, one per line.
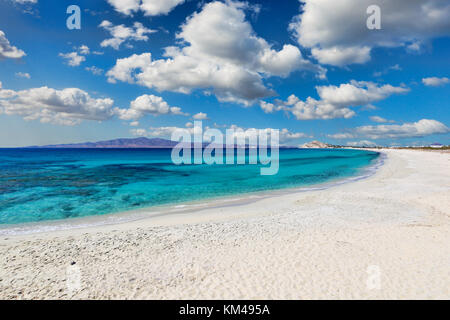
x=117, y=143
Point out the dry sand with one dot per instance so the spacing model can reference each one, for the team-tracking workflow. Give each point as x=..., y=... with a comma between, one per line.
x=386, y=237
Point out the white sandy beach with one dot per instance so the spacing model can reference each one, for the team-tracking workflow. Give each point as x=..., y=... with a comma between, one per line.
x=322, y=244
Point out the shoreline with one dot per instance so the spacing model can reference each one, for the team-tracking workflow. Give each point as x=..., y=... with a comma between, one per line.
x=321, y=244
x=187, y=207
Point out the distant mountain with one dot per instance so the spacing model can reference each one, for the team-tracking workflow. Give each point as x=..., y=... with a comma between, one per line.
x=118, y=143
x=316, y=145
x=125, y=143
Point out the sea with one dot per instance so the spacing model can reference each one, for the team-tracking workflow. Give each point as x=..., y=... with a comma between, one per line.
x=54, y=184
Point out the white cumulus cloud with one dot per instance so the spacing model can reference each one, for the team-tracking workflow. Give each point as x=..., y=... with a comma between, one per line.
x=341, y=56
x=84, y=49
x=25, y=1
x=435, y=81
x=420, y=128
x=163, y=132
x=285, y=135
x=25, y=75
x=67, y=107
x=73, y=59
x=94, y=70
x=341, y=136
x=200, y=116
x=335, y=101
x=121, y=33
x=221, y=53
x=147, y=104
x=337, y=32
x=148, y=7
x=7, y=50
x=380, y=119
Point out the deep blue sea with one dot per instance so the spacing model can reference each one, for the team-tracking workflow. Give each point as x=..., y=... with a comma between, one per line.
x=51, y=184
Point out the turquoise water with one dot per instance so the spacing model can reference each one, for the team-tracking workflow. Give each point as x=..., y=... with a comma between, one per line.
x=51, y=184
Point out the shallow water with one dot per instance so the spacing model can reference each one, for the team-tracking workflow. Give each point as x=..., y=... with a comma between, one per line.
x=50, y=184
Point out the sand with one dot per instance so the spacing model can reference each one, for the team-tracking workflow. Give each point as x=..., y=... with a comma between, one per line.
x=384, y=237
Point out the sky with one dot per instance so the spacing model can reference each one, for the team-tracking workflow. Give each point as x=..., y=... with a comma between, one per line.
x=333, y=71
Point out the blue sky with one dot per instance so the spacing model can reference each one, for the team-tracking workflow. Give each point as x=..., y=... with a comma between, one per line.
x=312, y=68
